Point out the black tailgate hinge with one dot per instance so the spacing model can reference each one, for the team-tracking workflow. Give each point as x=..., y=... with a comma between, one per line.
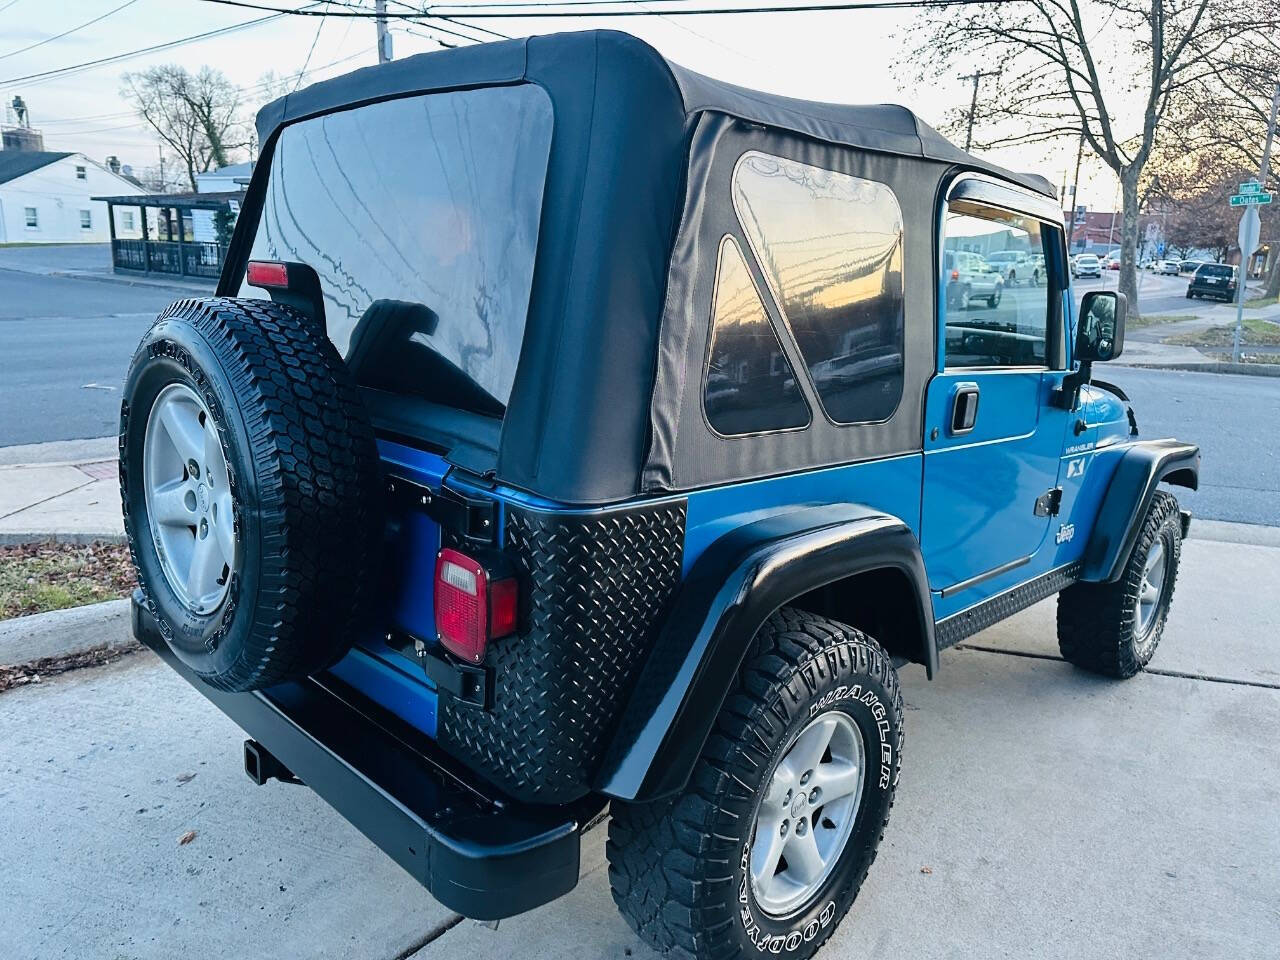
x=474, y=520
x=1049, y=503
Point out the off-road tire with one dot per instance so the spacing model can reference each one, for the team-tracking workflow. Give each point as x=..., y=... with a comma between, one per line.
x=677, y=867
x=305, y=485
x=1098, y=622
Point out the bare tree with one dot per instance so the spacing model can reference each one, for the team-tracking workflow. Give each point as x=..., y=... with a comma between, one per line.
x=196, y=114
x=1118, y=70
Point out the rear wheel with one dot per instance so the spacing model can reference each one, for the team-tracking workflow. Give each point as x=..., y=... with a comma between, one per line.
x=769, y=843
x=993, y=301
x=1114, y=628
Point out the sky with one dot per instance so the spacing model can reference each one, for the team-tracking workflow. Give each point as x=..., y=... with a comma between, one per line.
x=838, y=56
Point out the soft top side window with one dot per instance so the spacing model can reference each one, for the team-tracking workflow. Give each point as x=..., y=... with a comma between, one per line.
x=830, y=246
x=751, y=386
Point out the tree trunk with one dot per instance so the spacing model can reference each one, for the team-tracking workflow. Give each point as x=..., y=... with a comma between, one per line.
x=1129, y=237
x=191, y=175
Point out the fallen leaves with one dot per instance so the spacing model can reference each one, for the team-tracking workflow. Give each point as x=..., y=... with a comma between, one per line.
x=926, y=870
x=186, y=838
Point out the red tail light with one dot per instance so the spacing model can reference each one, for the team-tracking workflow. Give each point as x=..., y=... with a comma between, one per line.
x=471, y=608
x=266, y=273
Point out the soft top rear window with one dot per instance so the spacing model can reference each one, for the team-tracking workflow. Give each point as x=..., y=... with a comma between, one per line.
x=420, y=216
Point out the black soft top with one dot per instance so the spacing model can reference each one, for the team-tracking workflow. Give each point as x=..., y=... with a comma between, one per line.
x=886, y=128
x=604, y=402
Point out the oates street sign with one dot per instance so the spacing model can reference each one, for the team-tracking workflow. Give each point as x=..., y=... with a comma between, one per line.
x=1250, y=199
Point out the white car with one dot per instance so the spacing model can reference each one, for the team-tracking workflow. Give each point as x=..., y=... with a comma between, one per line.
x=1086, y=265
x=1015, y=265
x=969, y=278
x=1169, y=267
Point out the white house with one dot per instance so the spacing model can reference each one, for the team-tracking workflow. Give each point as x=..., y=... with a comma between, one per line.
x=45, y=197
x=225, y=179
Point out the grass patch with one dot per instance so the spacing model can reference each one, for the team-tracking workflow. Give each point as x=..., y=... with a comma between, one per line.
x=37, y=577
x=1154, y=319
x=1258, y=303
x=1255, y=332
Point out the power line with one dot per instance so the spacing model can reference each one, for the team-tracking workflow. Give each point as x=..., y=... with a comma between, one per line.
x=129, y=55
x=67, y=33
x=534, y=10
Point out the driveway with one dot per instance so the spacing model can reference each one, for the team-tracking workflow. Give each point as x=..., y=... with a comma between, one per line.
x=1042, y=812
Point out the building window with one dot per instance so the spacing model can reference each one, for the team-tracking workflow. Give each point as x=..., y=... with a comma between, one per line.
x=126, y=219
x=750, y=386
x=33, y=218
x=830, y=248
x=81, y=173
x=86, y=219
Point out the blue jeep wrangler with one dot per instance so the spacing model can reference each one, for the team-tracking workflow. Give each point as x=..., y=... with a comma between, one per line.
x=571, y=430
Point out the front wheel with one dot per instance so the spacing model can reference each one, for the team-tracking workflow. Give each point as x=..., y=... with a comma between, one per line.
x=993, y=301
x=1114, y=628
x=767, y=846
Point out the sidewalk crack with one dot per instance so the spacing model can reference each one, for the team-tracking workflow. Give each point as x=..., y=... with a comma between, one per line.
x=63, y=493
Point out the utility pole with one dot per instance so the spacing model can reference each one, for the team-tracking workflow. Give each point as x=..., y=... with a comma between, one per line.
x=1075, y=193
x=973, y=105
x=1243, y=277
x=384, y=36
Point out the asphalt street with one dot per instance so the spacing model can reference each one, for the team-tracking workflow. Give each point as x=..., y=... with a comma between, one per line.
x=1042, y=813
x=65, y=344
x=1236, y=422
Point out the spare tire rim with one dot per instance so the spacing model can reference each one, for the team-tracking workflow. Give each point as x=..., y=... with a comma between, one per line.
x=188, y=498
x=1151, y=589
x=807, y=813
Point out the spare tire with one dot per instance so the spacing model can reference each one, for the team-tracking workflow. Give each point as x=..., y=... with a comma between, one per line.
x=251, y=490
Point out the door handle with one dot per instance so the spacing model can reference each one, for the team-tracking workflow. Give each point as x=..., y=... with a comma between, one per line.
x=964, y=408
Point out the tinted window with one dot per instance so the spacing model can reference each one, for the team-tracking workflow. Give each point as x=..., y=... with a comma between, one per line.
x=420, y=216
x=751, y=387
x=830, y=246
x=1216, y=270
x=995, y=315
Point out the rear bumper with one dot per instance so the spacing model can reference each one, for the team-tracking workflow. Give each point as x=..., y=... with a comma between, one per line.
x=476, y=852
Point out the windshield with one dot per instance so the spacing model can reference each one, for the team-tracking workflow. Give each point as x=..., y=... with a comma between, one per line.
x=420, y=216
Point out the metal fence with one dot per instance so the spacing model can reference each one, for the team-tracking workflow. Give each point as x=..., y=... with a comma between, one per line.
x=178, y=258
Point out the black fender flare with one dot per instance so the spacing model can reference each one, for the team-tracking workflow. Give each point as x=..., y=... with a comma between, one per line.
x=734, y=586
x=1142, y=467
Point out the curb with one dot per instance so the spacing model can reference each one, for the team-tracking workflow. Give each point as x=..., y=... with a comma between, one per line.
x=61, y=633
x=194, y=288
x=1215, y=366
x=22, y=537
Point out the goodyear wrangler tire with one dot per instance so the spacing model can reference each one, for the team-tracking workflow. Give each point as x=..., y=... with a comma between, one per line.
x=250, y=485
x=1114, y=628
x=768, y=845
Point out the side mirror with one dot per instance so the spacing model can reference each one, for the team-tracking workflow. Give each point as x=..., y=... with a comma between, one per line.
x=1101, y=332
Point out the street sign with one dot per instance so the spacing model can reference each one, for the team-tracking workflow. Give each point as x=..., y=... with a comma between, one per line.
x=1250, y=228
x=1253, y=186
x=1250, y=199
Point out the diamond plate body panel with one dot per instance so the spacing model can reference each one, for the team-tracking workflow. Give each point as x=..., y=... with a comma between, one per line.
x=977, y=618
x=594, y=590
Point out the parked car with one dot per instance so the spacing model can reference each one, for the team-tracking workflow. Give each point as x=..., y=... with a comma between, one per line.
x=970, y=277
x=1086, y=265
x=1216, y=280
x=1188, y=266
x=1016, y=265
x=474, y=566
x=1113, y=263
x=1170, y=267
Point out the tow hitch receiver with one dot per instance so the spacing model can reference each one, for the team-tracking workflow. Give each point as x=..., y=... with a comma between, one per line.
x=261, y=765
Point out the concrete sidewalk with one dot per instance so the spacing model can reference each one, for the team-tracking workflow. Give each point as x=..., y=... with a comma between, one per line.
x=1060, y=815
x=67, y=490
